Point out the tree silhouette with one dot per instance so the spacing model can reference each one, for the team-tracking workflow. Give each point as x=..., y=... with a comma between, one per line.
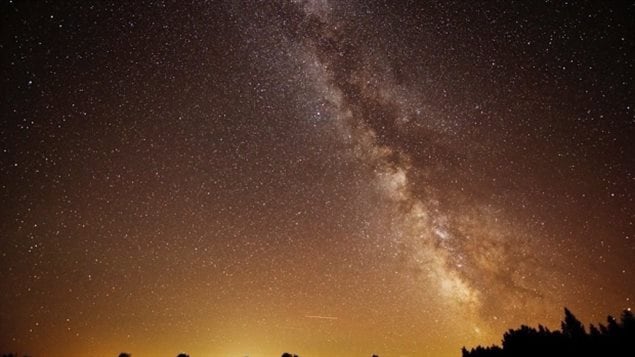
x=615, y=339
x=124, y=354
x=287, y=354
x=183, y=355
x=571, y=326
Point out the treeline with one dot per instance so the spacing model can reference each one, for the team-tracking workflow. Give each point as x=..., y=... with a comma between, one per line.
x=616, y=338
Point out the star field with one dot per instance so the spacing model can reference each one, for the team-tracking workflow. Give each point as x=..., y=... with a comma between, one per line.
x=234, y=178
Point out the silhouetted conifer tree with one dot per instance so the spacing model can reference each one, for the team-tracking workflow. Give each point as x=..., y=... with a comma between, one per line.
x=571, y=326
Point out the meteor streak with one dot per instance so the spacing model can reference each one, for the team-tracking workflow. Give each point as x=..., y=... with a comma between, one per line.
x=321, y=317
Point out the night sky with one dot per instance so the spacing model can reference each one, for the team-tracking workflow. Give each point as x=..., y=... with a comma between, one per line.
x=328, y=178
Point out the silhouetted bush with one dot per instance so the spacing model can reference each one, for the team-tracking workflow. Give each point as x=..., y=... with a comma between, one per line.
x=615, y=339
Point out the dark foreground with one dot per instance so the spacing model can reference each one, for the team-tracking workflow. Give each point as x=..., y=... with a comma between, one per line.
x=616, y=338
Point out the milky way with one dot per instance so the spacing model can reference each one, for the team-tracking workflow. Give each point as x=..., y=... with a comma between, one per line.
x=359, y=93
x=325, y=178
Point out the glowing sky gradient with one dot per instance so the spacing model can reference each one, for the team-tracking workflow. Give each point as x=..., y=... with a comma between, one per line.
x=233, y=178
